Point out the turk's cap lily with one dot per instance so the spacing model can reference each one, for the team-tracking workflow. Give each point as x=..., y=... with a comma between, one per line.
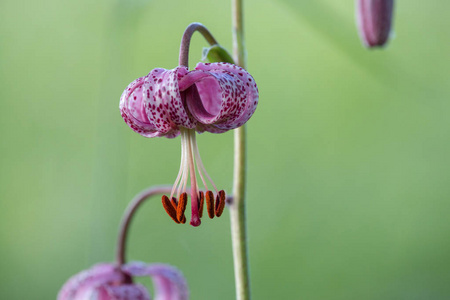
x=374, y=18
x=110, y=282
x=214, y=97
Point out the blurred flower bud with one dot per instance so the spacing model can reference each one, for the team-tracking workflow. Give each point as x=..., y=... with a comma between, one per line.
x=374, y=19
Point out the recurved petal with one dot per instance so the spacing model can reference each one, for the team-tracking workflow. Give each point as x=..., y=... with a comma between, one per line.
x=163, y=103
x=122, y=292
x=221, y=96
x=86, y=282
x=132, y=109
x=168, y=281
x=200, y=128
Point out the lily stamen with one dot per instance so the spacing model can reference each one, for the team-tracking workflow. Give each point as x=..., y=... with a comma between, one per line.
x=220, y=203
x=200, y=204
x=170, y=210
x=200, y=166
x=210, y=204
x=190, y=164
x=181, y=206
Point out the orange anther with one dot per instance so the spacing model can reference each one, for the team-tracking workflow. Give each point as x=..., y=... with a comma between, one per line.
x=174, y=202
x=210, y=203
x=181, y=206
x=200, y=204
x=220, y=203
x=183, y=220
x=169, y=208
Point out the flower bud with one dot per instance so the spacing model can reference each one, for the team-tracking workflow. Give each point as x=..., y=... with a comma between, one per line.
x=374, y=19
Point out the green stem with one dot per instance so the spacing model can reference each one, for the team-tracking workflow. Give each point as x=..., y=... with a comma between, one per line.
x=129, y=214
x=237, y=205
x=238, y=34
x=186, y=41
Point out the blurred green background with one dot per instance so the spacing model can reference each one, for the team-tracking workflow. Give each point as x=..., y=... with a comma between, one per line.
x=348, y=171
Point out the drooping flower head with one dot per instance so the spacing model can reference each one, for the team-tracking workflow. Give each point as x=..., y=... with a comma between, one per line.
x=110, y=282
x=214, y=97
x=374, y=19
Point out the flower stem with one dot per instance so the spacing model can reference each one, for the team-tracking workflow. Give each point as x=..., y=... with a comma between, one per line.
x=237, y=205
x=239, y=51
x=186, y=41
x=128, y=215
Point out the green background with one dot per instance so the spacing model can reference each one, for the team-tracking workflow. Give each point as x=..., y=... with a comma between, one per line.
x=348, y=151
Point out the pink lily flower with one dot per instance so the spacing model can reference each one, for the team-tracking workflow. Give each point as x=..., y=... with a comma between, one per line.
x=214, y=97
x=110, y=282
x=374, y=19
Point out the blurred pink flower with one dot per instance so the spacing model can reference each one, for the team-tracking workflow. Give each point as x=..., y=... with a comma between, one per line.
x=109, y=282
x=374, y=19
x=214, y=97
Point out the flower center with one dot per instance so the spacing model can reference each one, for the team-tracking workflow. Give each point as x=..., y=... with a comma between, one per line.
x=191, y=163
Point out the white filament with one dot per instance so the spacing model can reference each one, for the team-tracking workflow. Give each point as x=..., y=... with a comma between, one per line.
x=190, y=158
x=200, y=166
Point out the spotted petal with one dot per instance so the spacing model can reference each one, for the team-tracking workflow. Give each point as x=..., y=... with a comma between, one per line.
x=152, y=105
x=168, y=281
x=220, y=96
x=163, y=103
x=84, y=284
x=132, y=109
x=122, y=292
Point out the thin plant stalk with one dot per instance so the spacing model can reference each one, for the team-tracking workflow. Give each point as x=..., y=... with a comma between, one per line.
x=128, y=216
x=237, y=205
x=186, y=41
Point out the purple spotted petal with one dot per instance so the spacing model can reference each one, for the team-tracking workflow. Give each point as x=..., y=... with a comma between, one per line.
x=374, y=19
x=210, y=128
x=168, y=281
x=163, y=103
x=132, y=109
x=220, y=96
x=84, y=284
x=152, y=105
x=122, y=292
